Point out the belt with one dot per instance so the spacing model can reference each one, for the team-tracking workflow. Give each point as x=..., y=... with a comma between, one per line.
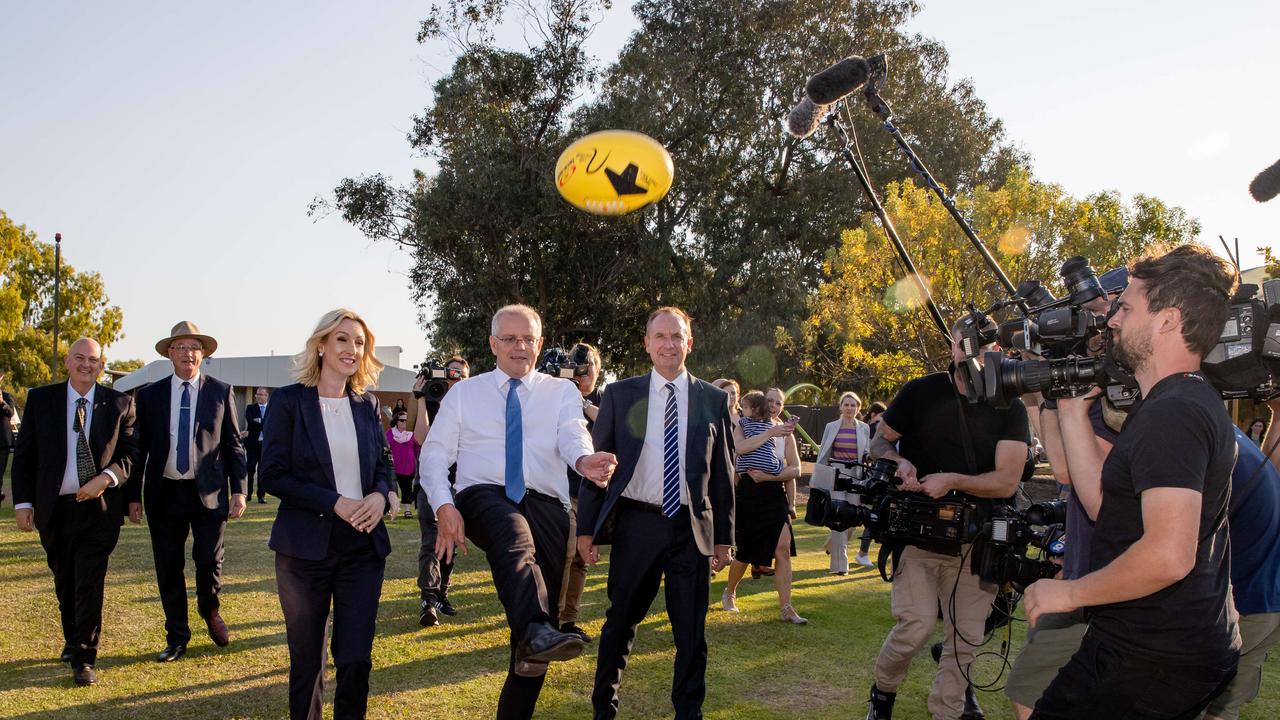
x=535, y=495
x=646, y=507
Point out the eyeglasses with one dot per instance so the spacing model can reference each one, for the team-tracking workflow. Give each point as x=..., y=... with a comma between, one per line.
x=187, y=348
x=515, y=340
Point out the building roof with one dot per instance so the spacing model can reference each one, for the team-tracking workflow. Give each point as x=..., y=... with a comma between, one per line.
x=269, y=371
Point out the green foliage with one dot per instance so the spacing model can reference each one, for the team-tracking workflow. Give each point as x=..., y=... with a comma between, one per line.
x=26, y=308
x=866, y=329
x=1271, y=262
x=737, y=242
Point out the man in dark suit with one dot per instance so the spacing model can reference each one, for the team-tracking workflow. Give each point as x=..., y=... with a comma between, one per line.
x=192, y=465
x=7, y=410
x=75, y=451
x=668, y=510
x=252, y=436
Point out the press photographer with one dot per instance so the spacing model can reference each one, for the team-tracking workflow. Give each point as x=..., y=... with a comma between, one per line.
x=944, y=445
x=1162, y=629
x=434, y=380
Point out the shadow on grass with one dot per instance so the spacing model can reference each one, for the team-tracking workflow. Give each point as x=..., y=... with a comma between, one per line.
x=261, y=701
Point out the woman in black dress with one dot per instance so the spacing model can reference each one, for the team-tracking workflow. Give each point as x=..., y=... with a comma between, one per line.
x=325, y=456
x=762, y=515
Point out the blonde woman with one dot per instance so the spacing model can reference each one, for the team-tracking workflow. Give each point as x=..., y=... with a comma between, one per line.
x=845, y=440
x=325, y=456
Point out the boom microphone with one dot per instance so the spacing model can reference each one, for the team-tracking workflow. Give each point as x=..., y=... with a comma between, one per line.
x=834, y=83
x=805, y=117
x=1265, y=186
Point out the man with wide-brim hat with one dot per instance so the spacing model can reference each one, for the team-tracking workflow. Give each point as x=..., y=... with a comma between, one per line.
x=192, y=465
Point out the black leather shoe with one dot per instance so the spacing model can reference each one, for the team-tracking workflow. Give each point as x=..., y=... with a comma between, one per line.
x=972, y=710
x=68, y=653
x=544, y=643
x=880, y=704
x=573, y=629
x=427, y=614
x=85, y=675
x=171, y=653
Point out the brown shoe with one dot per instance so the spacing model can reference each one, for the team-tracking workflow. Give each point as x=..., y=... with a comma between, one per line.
x=218, y=632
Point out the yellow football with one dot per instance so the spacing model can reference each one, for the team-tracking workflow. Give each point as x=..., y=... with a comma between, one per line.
x=613, y=172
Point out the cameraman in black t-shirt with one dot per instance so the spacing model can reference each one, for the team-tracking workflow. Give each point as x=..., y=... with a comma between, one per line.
x=433, y=573
x=1162, y=637
x=944, y=444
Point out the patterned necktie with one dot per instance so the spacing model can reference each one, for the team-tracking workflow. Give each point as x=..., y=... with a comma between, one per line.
x=515, y=445
x=671, y=455
x=85, y=467
x=183, y=460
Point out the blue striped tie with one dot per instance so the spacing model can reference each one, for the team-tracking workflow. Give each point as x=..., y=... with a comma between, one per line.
x=671, y=455
x=515, y=445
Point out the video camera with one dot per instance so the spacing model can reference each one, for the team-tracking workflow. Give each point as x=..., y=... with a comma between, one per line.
x=1000, y=554
x=1246, y=361
x=558, y=363
x=439, y=375
x=1060, y=330
x=866, y=494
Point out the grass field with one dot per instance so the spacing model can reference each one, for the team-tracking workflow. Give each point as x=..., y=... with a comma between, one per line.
x=759, y=667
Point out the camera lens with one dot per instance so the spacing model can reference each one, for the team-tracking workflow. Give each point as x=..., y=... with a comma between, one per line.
x=1080, y=280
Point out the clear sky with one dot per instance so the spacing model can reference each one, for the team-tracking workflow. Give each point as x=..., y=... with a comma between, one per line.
x=176, y=145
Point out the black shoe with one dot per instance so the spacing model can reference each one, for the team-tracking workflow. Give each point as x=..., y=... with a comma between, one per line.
x=171, y=653
x=573, y=629
x=262, y=501
x=544, y=643
x=443, y=607
x=427, y=614
x=68, y=654
x=880, y=704
x=936, y=651
x=972, y=711
x=85, y=675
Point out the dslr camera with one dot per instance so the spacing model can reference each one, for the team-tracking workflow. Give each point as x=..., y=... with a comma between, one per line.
x=558, y=363
x=438, y=375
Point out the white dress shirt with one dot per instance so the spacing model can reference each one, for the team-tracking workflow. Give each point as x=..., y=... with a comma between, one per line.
x=262, y=415
x=470, y=429
x=175, y=408
x=344, y=449
x=646, y=480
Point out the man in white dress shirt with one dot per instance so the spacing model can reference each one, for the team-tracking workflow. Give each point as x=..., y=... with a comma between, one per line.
x=512, y=432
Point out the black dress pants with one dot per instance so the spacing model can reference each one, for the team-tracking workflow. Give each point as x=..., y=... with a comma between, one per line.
x=253, y=450
x=524, y=545
x=78, y=542
x=648, y=549
x=350, y=578
x=433, y=573
x=1105, y=680
x=4, y=462
x=174, y=510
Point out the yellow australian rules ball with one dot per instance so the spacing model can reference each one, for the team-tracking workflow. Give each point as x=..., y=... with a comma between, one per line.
x=614, y=172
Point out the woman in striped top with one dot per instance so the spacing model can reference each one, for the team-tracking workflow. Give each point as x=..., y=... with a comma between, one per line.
x=845, y=440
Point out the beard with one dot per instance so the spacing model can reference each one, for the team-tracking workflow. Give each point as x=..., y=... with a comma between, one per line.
x=1133, y=350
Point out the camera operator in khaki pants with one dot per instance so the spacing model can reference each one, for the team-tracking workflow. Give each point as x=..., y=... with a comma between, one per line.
x=944, y=443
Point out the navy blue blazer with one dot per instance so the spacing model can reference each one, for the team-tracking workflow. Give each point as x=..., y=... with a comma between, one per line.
x=217, y=454
x=708, y=460
x=297, y=468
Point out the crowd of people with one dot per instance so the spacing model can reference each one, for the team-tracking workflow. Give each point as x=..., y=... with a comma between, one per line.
x=681, y=478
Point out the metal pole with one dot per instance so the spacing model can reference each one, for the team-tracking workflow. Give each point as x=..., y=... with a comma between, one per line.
x=57, y=290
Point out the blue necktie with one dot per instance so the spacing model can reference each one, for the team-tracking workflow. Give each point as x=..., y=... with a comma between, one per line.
x=515, y=445
x=184, y=430
x=671, y=455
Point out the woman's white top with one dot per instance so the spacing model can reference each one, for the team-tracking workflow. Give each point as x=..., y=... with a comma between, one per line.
x=340, y=431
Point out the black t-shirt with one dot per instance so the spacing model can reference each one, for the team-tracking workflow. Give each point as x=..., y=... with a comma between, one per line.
x=433, y=407
x=1179, y=436
x=927, y=415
